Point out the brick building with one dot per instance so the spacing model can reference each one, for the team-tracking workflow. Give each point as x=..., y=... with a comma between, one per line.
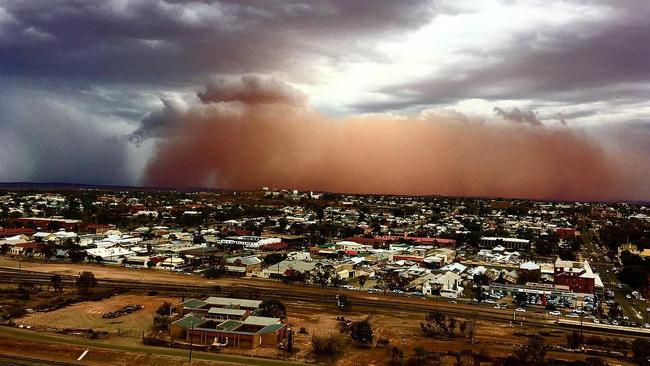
x=577, y=275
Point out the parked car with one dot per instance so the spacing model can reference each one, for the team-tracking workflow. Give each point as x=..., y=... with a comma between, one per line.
x=555, y=313
x=520, y=310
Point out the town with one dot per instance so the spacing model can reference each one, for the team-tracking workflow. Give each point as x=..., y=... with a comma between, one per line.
x=283, y=274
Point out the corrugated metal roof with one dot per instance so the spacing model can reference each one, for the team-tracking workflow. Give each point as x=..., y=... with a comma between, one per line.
x=186, y=322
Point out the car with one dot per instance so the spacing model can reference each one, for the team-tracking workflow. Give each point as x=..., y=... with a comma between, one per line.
x=614, y=322
x=596, y=321
x=555, y=313
x=628, y=296
x=572, y=315
x=520, y=310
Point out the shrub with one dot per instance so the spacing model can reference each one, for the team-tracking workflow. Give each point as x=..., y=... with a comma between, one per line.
x=328, y=345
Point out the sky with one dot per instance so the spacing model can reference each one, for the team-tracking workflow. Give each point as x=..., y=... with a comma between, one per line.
x=525, y=99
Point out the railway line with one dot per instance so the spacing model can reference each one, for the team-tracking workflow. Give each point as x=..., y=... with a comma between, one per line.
x=314, y=295
x=12, y=360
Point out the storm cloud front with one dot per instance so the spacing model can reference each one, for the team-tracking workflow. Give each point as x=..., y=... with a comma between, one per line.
x=252, y=132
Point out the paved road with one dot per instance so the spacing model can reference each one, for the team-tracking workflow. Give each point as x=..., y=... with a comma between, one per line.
x=633, y=309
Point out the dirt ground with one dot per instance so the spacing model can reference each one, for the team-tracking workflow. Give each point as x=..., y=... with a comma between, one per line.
x=403, y=331
x=401, y=328
x=88, y=314
x=67, y=353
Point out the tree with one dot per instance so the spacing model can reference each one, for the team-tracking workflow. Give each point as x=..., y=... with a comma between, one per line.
x=47, y=251
x=438, y=324
x=634, y=275
x=641, y=351
x=85, y=282
x=56, y=283
x=274, y=258
x=342, y=302
x=198, y=239
x=362, y=281
x=329, y=345
x=213, y=272
x=574, y=339
x=361, y=332
x=615, y=311
x=532, y=353
x=419, y=356
x=165, y=309
x=273, y=308
x=76, y=255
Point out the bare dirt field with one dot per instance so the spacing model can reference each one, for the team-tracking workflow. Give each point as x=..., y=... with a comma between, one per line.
x=88, y=315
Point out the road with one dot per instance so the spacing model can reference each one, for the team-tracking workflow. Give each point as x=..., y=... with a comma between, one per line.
x=635, y=310
x=179, y=354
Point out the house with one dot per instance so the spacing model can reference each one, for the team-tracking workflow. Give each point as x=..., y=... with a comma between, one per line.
x=278, y=270
x=226, y=322
x=446, y=284
x=24, y=248
x=112, y=254
x=171, y=264
x=351, y=247
x=250, y=263
x=529, y=272
x=9, y=232
x=508, y=243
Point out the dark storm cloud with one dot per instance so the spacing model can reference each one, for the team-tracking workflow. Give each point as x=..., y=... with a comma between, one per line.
x=517, y=115
x=156, y=122
x=587, y=62
x=252, y=90
x=46, y=138
x=180, y=42
x=248, y=89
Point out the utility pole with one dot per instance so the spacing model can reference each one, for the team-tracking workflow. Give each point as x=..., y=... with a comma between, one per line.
x=582, y=315
x=191, y=338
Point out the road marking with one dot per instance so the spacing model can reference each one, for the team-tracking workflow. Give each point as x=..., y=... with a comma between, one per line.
x=83, y=355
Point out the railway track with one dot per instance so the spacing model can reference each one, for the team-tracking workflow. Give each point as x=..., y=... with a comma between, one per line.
x=314, y=295
x=11, y=360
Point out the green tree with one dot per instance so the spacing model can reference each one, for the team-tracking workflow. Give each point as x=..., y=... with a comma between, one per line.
x=361, y=332
x=342, y=302
x=532, y=353
x=274, y=258
x=56, y=283
x=273, y=308
x=85, y=282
